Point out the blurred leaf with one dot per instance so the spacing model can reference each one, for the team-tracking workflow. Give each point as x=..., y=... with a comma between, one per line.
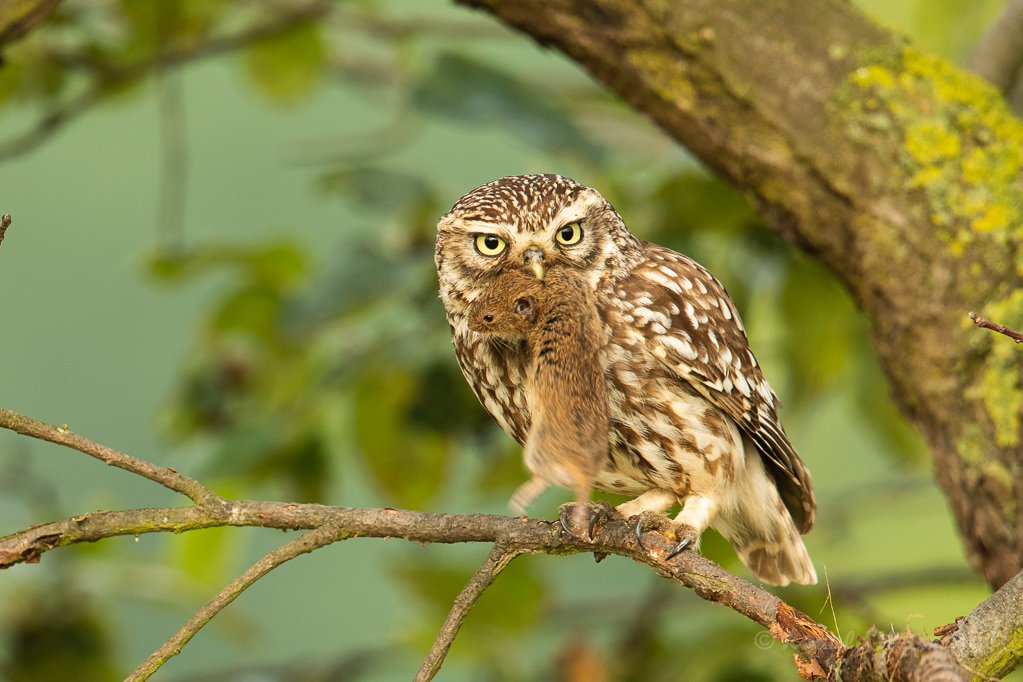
x=255, y=310
x=821, y=323
x=59, y=638
x=951, y=28
x=409, y=463
x=503, y=468
x=287, y=68
x=280, y=265
x=468, y=91
x=512, y=603
x=10, y=79
x=873, y=398
x=305, y=461
x=376, y=187
x=205, y=556
x=18, y=17
x=693, y=201
x=445, y=401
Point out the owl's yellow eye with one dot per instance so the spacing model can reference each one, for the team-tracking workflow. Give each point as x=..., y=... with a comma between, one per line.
x=490, y=245
x=569, y=234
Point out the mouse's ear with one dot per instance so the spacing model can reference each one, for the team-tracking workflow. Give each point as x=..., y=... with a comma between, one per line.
x=526, y=307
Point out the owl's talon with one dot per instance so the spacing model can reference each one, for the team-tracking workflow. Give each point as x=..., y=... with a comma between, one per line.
x=563, y=518
x=597, y=514
x=679, y=548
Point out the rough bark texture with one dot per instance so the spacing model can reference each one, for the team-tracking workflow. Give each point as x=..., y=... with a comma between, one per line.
x=898, y=172
x=990, y=639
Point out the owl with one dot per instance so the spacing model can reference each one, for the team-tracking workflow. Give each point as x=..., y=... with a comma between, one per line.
x=693, y=422
x=568, y=404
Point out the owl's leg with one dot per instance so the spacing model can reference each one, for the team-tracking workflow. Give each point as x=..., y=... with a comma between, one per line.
x=697, y=513
x=648, y=508
x=657, y=501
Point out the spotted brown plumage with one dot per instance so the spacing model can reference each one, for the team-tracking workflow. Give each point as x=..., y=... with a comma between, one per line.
x=693, y=421
x=568, y=404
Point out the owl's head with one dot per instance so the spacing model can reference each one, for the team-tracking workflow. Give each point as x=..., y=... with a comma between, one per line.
x=529, y=223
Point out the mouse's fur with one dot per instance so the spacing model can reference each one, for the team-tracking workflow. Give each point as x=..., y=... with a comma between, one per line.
x=568, y=400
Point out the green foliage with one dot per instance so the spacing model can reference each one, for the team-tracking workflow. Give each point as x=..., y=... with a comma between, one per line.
x=287, y=68
x=51, y=635
x=409, y=461
x=512, y=604
x=469, y=91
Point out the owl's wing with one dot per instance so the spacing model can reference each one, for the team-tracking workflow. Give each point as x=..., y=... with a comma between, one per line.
x=690, y=324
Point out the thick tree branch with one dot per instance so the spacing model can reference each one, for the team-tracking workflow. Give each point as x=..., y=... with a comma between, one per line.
x=990, y=639
x=498, y=558
x=861, y=150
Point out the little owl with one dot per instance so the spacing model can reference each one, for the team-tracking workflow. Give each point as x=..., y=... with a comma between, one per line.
x=692, y=419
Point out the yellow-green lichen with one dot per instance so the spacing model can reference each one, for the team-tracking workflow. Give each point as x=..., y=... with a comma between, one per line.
x=973, y=447
x=998, y=385
x=669, y=78
x=954, y=138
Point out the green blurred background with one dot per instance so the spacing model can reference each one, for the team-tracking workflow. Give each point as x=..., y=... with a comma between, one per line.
x=227, y=267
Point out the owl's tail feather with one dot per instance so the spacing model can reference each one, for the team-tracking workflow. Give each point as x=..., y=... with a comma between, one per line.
x=778, y=561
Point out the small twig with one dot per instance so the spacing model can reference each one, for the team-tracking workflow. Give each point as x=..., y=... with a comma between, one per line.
x=5, y=222
x=1001, y=329
x=168, y=478
x=108, y=76
x=498, y=558
x=322, y=536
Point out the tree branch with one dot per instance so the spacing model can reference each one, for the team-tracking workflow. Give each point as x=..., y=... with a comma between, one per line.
x=821, y=654
x=498, y=558
x=18, y=18
x=990, y=639
x=322, y=536
x=107, y=77
x=985, y=323
x=169, y=478
x=5, y=222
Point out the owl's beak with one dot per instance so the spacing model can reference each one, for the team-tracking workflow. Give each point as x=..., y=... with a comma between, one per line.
x=533, y=259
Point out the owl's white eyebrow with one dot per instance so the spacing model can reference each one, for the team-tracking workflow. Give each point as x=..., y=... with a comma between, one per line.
x=486, y=228
x=567, y=216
